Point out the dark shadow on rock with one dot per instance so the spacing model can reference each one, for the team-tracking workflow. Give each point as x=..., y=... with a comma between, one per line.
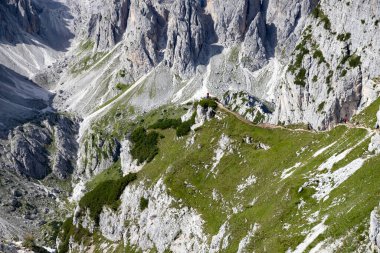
x=209, y=48
x=44, y=23
x=271, y=32
x=20, y=99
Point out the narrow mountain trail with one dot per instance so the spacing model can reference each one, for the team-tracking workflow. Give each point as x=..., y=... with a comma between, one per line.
x=271, y=126
x=261, y=125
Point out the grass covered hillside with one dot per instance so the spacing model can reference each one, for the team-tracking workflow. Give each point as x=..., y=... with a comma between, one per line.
x=256, y=189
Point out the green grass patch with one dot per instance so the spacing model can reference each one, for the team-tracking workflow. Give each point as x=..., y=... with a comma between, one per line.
x=166, y=124
x=122, y=86
x=112, y=173
x=368, y=116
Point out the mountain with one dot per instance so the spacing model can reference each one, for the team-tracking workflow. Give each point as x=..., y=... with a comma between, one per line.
x=189, y=126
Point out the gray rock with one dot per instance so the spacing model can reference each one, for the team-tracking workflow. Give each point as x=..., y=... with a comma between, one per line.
x=374, y=230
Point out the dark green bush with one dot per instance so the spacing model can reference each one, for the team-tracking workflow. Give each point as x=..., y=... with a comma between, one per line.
x=301, y=77
x=354, y=61
x=144, y=145
x=106, y=193
x=185, y=126
x=344, y=36
x=319, y=55
x=321, y=106
x=166, y=124
x=208, y=103
x=143, y=203
x=182, y=128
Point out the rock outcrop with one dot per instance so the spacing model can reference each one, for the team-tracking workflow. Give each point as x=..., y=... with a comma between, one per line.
x=41, y=147
x=374, y=230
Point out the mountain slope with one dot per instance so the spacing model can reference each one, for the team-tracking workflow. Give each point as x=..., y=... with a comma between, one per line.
x=154, y=166
x=209, y=191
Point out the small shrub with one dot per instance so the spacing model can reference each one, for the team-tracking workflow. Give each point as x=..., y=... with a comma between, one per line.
x=344, y=36
x=29, y=242
x=329, y=77
x=184, y=129
x=122, y=86
x=319, y=55
x=143, y=203
x=208, y=103
x=354, y=61
x=321, y=106
x=302, y=51
x=106, y=193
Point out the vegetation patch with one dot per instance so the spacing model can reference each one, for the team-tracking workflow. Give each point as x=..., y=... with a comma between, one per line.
x=86, y=45
x=301, y=77
x=166, y=124
x=182, y=128
x=143, y=203
x=122, y=86
x=144, y=145
x=185, y=127
x=207, y=103
x=69, y=230
x=30, y=243
x=354, y=61
x=234, y=54
x=319, y=55
x=321, y=106
x=344, y=36
x=87, y=62
x=319, y=14
x=106, y=193
x=112, y=173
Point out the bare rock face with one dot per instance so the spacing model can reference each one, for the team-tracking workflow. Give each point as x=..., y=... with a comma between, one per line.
x=28, y=153
x=145, y=36
x=108, y=23
x=374, y=230
x=39, y=148
x=20, y=13
x=186, y=36
x=330, y=74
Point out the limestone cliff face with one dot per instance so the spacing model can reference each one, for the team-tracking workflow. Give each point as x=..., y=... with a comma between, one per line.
x=310, y=59
x=108, y=22
x=331, y=75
